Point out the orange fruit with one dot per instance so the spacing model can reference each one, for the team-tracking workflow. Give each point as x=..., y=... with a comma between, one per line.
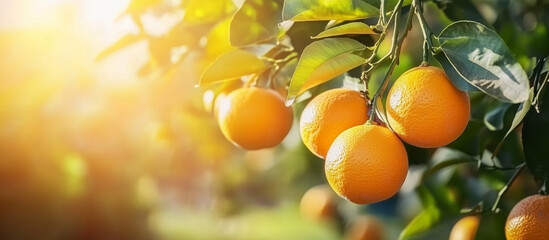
x=366, y=164
x=329, y=114
x=254, y=118
x=318, y=203
x=466, y=228
x=529, y=219
x=365, y=227
x=425, y=109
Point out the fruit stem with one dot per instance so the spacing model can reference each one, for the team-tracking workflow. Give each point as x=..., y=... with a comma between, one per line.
x=364, y=78
x=394, y=53
x=427, y=34
x=501, y=192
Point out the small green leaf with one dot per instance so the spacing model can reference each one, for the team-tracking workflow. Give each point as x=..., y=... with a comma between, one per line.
x=120, y=44
x=481, y=57
x=349, y=28
x=321, y=61
x=230, y=65
x=534, y=139
x=255, y=21
x=305, y=10
x=421, y=223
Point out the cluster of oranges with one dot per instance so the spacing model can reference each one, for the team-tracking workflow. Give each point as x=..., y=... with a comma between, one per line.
x=365, y=161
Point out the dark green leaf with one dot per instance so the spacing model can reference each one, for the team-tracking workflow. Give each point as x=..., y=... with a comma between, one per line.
x=534, y=139
x=349, y=28
x=121, y=43
x=321, y=61
x=300, y=33
x=305, y=10
x=256, y=21
x=481, y=57
x=453, y=75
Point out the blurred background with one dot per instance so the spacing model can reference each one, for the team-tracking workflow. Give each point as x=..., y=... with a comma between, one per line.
x=91, y=149
x=104, y=135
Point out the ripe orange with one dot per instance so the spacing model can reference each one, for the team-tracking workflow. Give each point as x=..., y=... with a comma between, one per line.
x=329, y=114
x=466, y=228
x=366, y=164
x=425, y=109
x=318, y=203
x=255, y=118
x=365, y=227
x=529, y=219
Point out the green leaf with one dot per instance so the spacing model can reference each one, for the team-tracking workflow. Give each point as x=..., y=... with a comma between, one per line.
x=534, y=139
x=120, y=44
x=349, y=28
x=321, y=61
x=421, y=223
x=300, y=33
x=305, y=10
x=453, y=75
x=481, y=57
x=392, y=3
x=230, y=65
x=255, y=21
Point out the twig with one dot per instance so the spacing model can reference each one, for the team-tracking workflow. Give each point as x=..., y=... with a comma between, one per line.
x=501, y=192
